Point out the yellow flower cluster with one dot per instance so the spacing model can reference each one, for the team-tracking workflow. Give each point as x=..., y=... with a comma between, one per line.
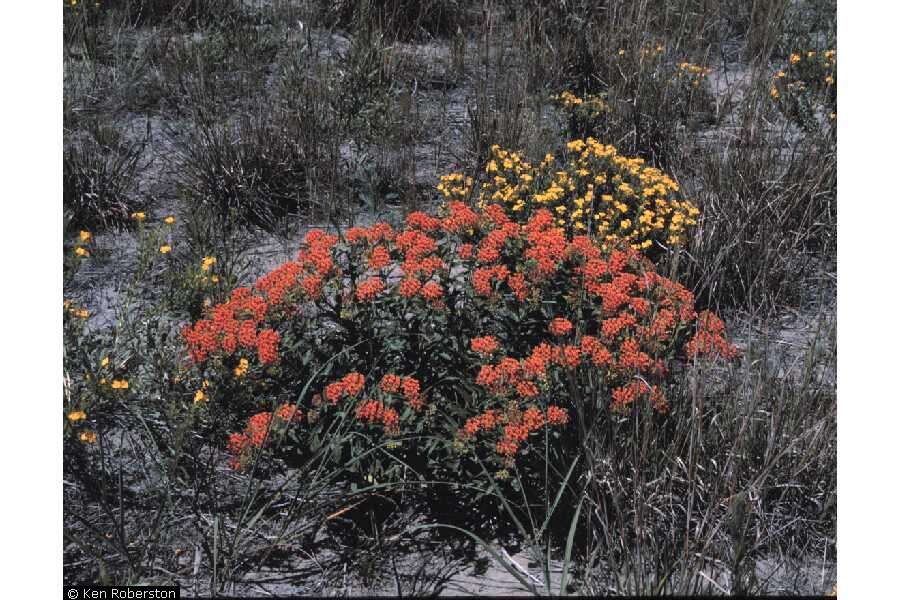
x=241, y=369
x=592, y=102
x=805, y=71
x=455, y=186
x=80, y=313
x=693, y=74
x=594, y=191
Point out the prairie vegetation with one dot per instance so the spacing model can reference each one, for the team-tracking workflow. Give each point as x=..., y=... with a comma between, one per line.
x=372, y=297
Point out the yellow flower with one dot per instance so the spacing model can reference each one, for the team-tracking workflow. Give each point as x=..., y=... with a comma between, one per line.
x=829, y=80
x=170, y=220
x=795, y=58
x=773, y=92
x=208, y=261
x=85, y=236
x=621, y=51
x=242, y=368
x=76, y=415
x=79, y=251
x=81, y=313
x=214, y=279
x=88, y=436
x=138, y=216
x=165, y=249
x=105, y=361
x=119, y=384
x=200, y=397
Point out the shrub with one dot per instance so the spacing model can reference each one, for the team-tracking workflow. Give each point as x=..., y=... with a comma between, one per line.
x=453, y=341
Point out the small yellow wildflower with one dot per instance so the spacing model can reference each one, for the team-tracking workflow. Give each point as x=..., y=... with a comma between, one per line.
x=829, y=80
x=85, y=236
x=170, y=220
x=76, y=415
x=208, y=261
x=138, y=216
x=795, y=58
x=165, y=249
x=88, y=436
x=200, y=397
x=242, y=368
x=105, y=361
x=82, y=313
x=79, y=251
x=119, y=384
x=214, y=279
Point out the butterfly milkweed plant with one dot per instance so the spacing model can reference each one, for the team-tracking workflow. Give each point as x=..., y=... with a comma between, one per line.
x=520, y=314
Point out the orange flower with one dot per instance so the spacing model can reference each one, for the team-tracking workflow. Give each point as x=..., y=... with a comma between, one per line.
x=267, y=346
x=557, y=415
x=485, y=345
x=369, y=289
x=560, y=326
x=390, y=383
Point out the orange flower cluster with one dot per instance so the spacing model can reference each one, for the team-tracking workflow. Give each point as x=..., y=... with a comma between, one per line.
x=256, y=432
x=347, y=387
x=599, y=354
x=232, y=323
x=517, y=425
x=372, y=411
x=316, y=257
x=557, y=415
x=519, y=428
x=485, y=345
x=423, y=221
x=432, y=292
x=547, y=245
x=369, y=289
x=379, y=258
x=410, y=386
x=486, y=421
x=710, y=338
x=267, y=346
x=379, y=232
x=624, y=396
x=483, y=278
x=460, y=218
x=278, y=284
x=412, y=393
x=560, y=326
x=390, y=383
